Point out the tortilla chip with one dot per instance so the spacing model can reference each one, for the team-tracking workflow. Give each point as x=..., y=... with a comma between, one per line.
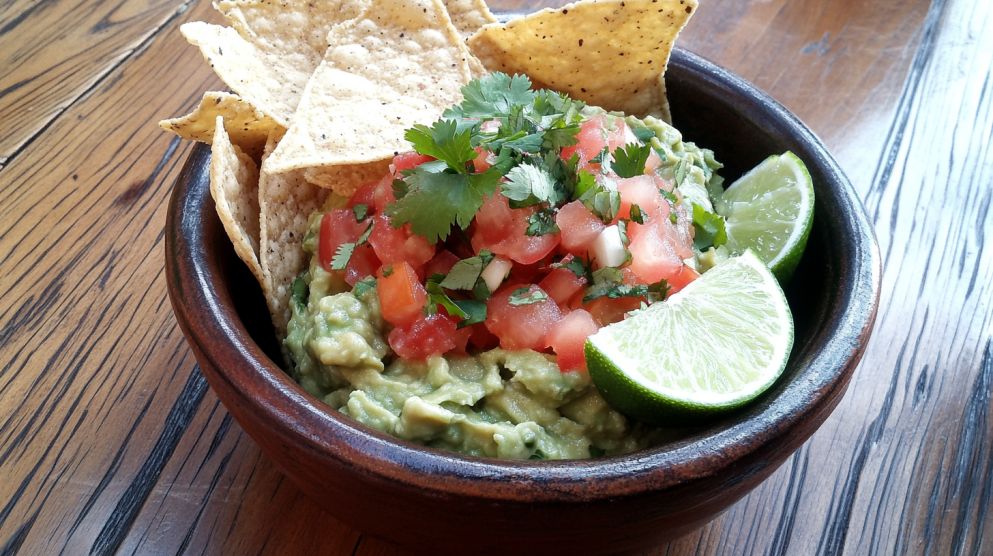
x=286, y=201
x=247, y=127
x=234, y=185
x=468, y=16
x=401, y=63
x=346, y=178
x=273, y=48
x=608, y=53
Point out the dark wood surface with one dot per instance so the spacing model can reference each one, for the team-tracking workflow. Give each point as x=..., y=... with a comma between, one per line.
x=111, y=441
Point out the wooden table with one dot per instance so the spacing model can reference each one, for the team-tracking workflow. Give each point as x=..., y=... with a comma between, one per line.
x=111, y=440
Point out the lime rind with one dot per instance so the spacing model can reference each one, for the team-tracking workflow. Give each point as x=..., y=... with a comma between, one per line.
x=771, y=210
x=710, y=348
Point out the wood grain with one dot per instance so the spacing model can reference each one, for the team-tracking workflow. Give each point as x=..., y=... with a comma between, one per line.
x=111, y=441
x=54, y=52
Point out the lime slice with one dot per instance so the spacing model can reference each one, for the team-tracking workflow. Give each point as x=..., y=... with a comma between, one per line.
x=771, y=209
x=708, y=349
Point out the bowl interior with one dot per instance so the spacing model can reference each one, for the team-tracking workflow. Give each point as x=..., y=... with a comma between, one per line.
x=833, y=297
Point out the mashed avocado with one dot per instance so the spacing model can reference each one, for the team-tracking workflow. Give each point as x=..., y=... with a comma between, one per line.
x=514, y=405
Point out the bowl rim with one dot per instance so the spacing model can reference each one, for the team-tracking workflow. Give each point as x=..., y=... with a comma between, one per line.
x=218, y=334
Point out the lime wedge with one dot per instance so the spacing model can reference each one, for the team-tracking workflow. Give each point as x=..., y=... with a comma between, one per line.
x=710, y=348
x=771, y=209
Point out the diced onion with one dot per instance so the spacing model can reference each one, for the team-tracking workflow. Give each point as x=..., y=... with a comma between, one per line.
x=608, y=248
x=495, y=272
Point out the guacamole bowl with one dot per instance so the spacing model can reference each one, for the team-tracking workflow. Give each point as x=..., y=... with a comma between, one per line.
x=429, y=500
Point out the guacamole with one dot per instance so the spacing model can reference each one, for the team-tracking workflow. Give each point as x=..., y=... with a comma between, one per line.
x=504, y=404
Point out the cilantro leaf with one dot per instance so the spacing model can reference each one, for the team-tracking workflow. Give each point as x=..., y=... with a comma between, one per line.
x=542, y=223
x=601, y=201
x=629, y=161
x=603, y=159
x=642, y=133
x=524, y=296
x=436, y=201
x=637, y=215
x=364, y=285
x=475, y=311
x=360, y=212
x=299, y=292
x=528, y=183
x=576, y=266
x=709, y=229
x=608, y=287
x=443, y=141
x=584, y=182
x=464, y=274
x=493, y=95
x=342, y=256
x=437, y=296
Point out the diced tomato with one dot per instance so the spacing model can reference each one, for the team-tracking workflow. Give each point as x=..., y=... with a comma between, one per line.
x=657, y=250
x=406, y=161
x=481, y=338
x=605, y=310
x=579, y=227
x=362, y=265
x=384, y=193
x=428, y=335
x=524, y=273
x=501, y=230
x=653, y=162
x=401, y=295
x=682, y=278
x=561, y=284
x=621, y=135
x=520, y=326
x=337, y=226
x=480, y=163
x=393, y=245
x=591, y=141
x=365, y=195
x=442, y=263
x=567, y=338
x=644, y=192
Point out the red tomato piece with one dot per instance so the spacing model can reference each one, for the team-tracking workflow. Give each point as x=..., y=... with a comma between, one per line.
x=605, y=310
x=394, y=245
x=480, y=163
x=657, y=250
x=442, y=263
x=337, y=226
x=362, y=265
x=406, y=161
x=591, y=142
x=401, y=295
x=682, y=278
x=501, y=230
x=520, y=326
x=561, y=284
x=384, y=193
x=461, y=341
x=620, y=136
x=481, y=338
x=644, y=192
x=365, y=195
x=428, y=335
x=579, y=227
x=567, y=338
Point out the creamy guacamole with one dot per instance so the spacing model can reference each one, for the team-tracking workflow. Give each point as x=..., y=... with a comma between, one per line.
x=514, y=405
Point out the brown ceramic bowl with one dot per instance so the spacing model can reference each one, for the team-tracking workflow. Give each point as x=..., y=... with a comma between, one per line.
x=430, y=500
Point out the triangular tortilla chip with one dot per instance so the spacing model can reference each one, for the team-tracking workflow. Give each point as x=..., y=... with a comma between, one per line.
x=273, y=48
x=468, y=16
x=400, y=63
x=247, y=127
x=234, y=185
x=285, y=201
x=346, y=178
x=608, y=53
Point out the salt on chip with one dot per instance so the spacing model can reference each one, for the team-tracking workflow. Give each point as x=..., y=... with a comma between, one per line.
x=400, y=63
x=234, y=185
x=346, y=178
x=246, y=126
x=610, y=53
x=273, y=48
x=285, y=201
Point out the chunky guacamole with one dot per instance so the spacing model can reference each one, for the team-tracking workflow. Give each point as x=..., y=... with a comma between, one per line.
x=465, y=331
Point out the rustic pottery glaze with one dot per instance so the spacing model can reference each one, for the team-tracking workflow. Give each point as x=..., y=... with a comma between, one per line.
x=432, y=501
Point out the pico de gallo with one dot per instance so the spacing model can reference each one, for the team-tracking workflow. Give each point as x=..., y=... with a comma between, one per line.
x=524, y=221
